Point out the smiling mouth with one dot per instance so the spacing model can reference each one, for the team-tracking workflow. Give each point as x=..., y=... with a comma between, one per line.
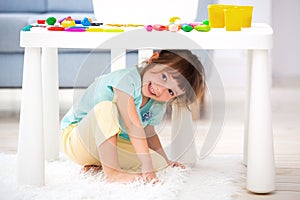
x=151, y=89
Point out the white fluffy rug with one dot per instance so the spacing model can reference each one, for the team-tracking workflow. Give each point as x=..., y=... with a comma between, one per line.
x=212, y=178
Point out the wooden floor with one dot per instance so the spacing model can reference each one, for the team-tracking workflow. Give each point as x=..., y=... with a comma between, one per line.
x=286, y=131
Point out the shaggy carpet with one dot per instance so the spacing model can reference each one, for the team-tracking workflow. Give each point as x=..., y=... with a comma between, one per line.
x=211, y=178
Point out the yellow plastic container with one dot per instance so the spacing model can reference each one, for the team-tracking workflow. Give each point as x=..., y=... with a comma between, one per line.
x=216, y=15
x=233, y=18
x=247, y=16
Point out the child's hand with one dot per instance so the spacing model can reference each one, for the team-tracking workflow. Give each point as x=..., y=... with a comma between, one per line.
x=150, y=177
x=176, y=164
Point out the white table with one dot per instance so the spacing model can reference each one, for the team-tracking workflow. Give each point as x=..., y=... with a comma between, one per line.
x=40, y=92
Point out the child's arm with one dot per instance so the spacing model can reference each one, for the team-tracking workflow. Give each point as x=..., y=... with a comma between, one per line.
x=155, y=144
x=136, y=132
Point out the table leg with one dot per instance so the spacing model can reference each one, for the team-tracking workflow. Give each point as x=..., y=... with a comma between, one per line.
x=246, y=124
x=260, y=168
x=30, y=155
x=183, y=147
x=50, y=102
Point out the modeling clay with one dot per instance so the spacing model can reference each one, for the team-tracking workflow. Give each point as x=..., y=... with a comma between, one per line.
x=175, y=20
x=41, y=21
x=75, y=29
x=206, y=22
x=56, y=28
x=186, y=27
x=173, y=27
x=68, y=23
x=159, y=27
x=77, y=21
x=51, y=20
x=27, y=28
x=113, y=30
x=193, y=24
x=94, y=29
x=203, y=27
x=96, y=23
x=85, y=22
x=148, y=28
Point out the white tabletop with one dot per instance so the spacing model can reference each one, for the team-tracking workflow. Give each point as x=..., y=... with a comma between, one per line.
x=259, y=36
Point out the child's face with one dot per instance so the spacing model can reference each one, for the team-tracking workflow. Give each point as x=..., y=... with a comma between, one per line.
x=160, y=85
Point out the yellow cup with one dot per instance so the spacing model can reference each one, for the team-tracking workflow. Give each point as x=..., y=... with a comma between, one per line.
x=247, y=16
x=216, y=15
x=233, y=18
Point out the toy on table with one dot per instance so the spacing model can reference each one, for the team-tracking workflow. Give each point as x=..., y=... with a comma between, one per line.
x=56, y=28
x=51, y=20
x=176, y=25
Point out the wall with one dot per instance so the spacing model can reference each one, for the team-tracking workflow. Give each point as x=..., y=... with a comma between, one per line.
x=286, y=51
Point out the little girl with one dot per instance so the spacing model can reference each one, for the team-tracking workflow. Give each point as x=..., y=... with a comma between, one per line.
x=112, y=125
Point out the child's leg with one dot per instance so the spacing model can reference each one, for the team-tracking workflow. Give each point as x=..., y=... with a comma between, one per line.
x=108, y=154
x=129, y=161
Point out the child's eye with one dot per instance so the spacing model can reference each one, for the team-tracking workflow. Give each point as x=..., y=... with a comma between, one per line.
x=171, y=92
x=164, y=77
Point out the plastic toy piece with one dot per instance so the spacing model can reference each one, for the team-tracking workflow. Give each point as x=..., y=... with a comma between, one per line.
x=173, y=28
x=193, y=24
x=206, y=22
x=113, y=30
x=41, y=21
x=175, y=20
x=94, y=29
x=202, y=28
x=85, y=22
x=27, y=28
x=148, y=28
x=51, y=20
x=96, y=23
x=77, y=21
x=56, y=28
x=68, y=23
x=75, y=29
x=186, y=27
x=159, y=27
x=69, y=18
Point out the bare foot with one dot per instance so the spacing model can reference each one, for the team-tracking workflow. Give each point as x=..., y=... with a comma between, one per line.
x=121, y=176
x=93, y=169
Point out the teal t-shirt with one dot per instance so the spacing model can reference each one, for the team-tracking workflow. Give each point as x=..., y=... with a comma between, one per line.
x=127, y=80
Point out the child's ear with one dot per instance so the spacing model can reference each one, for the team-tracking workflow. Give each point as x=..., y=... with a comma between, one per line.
x=153, y=57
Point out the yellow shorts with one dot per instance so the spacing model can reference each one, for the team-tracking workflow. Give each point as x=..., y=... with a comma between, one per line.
x=80, y=141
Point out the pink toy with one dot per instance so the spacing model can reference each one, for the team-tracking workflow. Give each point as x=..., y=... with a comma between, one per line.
x=148, y=28
x=159, y=27
x=75, y=29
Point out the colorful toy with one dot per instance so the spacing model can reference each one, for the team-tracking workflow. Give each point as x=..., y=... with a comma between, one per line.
x=202, y=28
x=85, y=22
x=27, y=28
x=173, y=27
x=68, y=23
x=193, y=24
x=149, y=28
x=75, y=29
x=56, y=28
x=96, y=23
x=175, y=20
x=51, y=20
x=206, y=22
x=94, y=29
x=186, y=27
x=159, y=27
x=41, y=21
x=77, y=21
x=113, y=30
